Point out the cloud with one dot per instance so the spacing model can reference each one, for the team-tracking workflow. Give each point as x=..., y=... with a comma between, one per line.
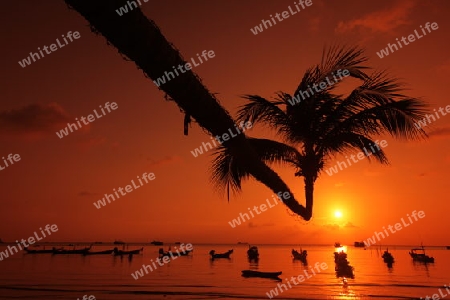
x=251, y=225
x=331, y=226
x=33, y=120
x=163, y=161
x=441, y=132
x=314, y=24
x=350, y=225
x=86, y=194
x=381, y=21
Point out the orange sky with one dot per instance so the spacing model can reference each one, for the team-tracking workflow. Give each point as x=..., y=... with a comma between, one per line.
x=57, y=180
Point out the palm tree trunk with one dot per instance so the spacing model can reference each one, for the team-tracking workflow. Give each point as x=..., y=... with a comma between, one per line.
x=309, y=195
x=140, y=39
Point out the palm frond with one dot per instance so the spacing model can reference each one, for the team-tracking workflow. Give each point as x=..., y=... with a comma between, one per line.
x=261, y=110
x=333, y=59
x=227, y=173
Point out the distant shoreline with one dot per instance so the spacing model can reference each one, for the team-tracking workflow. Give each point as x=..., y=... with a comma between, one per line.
x=374, y=247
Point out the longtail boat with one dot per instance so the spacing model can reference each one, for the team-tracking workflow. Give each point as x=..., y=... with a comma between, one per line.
x=251, y=273
x=418, y=254
x=75, y=251
x=98, y=252
x=220, y=255
x=118, y=252
x=300, y=255
x=39, y=251
x=252, y=253
x=172, y=253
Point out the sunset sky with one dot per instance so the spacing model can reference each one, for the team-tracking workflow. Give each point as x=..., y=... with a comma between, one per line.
x=57, y=180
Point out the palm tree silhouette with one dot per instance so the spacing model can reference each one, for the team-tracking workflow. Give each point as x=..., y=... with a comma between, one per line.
x=140, y=40
x=323, y=124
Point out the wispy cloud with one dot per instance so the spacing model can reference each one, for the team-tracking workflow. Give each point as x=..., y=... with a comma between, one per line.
x=163, y=161
x=33, y=120
x=252, y=225
x=381, y=21
x=440, y=132
x=350, y=225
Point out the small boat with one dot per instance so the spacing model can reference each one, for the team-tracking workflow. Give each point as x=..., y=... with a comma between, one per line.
x=359, y=245
x=343, y=268
x=418, y=254
x=173, y=254
x=387, y=257
x=242, y=243
x=339, y=256
x=99, y=252
x=76, y=251
x=118, y=252
x=300, y=255
x=448, y=247
x=253, y=253
x=157, y=243
x=251, y=273
x=220, y=255
x=118, y=242
x=39, y=251
x=337, y=245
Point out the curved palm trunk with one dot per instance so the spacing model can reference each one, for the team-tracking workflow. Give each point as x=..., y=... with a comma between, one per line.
x=139, y=39
x=309, y=195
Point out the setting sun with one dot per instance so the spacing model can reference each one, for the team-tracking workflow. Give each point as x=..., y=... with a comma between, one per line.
x=338, y=214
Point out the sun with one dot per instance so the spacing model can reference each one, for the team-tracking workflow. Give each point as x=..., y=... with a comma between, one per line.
x=338, y=214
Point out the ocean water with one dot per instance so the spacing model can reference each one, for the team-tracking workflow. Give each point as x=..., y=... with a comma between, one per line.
x=46, y=276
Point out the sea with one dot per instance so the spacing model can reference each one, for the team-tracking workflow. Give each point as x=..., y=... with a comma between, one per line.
x=47, y=276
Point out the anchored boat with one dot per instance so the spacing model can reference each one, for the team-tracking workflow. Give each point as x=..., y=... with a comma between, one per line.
x=418, y=254
x=251, y=273
x=220, y=255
